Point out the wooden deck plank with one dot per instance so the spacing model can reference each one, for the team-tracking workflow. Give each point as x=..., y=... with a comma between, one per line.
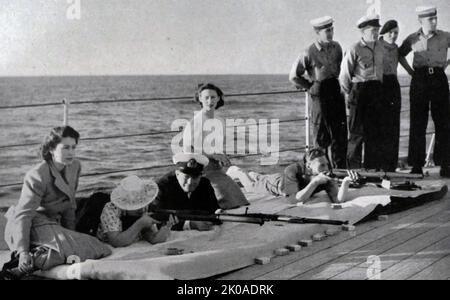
x=297, y=268
x=399, y=218
x=341, y=264
x=439, y=270
x=399, y=253
x=420, y=261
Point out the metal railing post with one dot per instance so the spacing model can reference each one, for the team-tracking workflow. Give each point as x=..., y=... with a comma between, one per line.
x=430, y=148
x=66, y=104
x=307, y=142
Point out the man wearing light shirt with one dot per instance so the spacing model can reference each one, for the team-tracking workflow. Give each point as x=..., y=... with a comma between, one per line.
x=361, y=79
x=429, y=90
x=317, y=70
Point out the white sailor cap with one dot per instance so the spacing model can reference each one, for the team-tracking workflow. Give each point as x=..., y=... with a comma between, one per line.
x=426, y=11
x=369, y=20
x=322, y=22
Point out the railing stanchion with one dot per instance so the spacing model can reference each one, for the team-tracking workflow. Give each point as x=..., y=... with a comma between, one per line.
x=66, y=104
x=307, y=143
x=430, y=148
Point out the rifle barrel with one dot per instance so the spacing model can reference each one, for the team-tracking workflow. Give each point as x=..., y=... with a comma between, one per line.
x=252, y=218
x=317, y=221
x=286, y=219
x=368, y=174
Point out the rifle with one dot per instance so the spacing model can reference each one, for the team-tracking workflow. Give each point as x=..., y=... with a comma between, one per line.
x=377, y=177
x=252, y=218
x=341, y=173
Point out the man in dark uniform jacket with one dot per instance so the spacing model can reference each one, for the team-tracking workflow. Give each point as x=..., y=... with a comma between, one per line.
x=186, y=189
x=429, y=90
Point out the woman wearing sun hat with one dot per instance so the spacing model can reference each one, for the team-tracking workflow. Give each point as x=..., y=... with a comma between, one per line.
x=124, y=220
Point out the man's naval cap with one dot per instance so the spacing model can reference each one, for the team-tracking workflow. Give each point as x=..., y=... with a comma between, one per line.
x=190, y=163
x=426, y=11
x=322, y=23
x=369, y=20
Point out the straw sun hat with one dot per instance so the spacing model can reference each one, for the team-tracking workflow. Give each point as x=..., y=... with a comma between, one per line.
x=133, y=193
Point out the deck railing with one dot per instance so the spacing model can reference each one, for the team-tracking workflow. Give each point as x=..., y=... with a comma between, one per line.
x=66, y=106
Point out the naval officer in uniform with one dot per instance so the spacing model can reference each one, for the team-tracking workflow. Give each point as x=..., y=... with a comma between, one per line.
x=317, y=70
x=429, y=90
x=361, y=79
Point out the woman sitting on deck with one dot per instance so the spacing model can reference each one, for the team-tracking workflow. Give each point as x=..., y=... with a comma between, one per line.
x=125, y=220
x=211, y=98
x=40, y=229
x=300, y=180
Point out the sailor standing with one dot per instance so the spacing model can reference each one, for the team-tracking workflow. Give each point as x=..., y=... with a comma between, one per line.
x=392, y=94
x=429, y=90
x=361, y=79
x=317, y=70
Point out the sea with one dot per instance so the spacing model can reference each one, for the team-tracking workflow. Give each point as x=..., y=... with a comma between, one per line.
x=31, y=125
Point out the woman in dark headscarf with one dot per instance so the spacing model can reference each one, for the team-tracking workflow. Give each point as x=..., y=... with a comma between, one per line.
x=392, y=94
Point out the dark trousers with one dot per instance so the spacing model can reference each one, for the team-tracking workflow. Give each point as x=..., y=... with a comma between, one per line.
x=366, y=125
x=391, y=121
x=429, y=91
x=329, y=119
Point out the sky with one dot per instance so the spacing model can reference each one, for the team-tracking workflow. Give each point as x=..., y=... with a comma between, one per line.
x=137, y=37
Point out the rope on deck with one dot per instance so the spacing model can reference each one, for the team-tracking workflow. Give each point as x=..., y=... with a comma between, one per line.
x=159, y=166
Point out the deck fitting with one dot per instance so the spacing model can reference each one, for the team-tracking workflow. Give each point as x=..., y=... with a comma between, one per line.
x=348, y=227
x=319, y=237
x=294, y=248
x=305, y=243
x=281, y=252
x=264, y=260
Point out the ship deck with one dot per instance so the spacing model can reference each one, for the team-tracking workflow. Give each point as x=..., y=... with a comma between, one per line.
x=413, y=244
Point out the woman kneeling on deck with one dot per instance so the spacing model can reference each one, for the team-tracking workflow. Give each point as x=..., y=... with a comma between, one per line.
x=125, y=220
x=300, y=180
x=40, y=230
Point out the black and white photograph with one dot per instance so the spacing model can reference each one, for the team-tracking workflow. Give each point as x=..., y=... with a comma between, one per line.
x=237, y=142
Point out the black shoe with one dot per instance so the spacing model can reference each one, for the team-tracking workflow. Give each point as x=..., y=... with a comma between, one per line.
x=445, y=172
x=7, y=275
x=417, y=170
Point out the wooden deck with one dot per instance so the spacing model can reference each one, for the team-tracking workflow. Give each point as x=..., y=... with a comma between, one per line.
x=414, y=244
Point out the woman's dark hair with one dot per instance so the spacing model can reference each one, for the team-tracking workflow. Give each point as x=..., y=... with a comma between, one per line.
x=313, y=154
x=54, y=138
x=209, y=86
